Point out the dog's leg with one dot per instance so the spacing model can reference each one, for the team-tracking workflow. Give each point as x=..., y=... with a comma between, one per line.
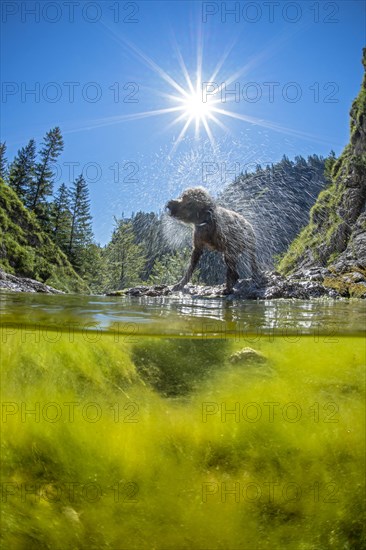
x=232, y=275
x=256, y=272
x=196, y=254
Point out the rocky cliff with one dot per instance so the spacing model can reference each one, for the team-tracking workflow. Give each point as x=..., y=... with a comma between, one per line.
x=336, y=234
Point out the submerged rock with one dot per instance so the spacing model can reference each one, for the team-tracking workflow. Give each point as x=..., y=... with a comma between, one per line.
x=248, y=355
x=71, y=514
x=254, y=362
x=23, y=284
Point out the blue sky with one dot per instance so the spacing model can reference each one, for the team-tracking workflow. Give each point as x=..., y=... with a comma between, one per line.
x=295, y=68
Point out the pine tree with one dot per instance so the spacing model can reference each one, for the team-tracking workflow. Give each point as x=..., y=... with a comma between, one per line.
x=3, y=161
x=43, y=185
x=329, y=163
x=81, y=233
x=125, y=259
x=61, y=218
x=22, y=171
x=171, y=268
x=93, y=269
x=300, y=162
x=148, y=231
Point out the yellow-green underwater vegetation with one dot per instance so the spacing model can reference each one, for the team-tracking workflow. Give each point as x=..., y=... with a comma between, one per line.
x=123, y=442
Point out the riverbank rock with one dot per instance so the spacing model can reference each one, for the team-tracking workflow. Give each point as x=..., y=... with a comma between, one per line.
x=23, y=284
x=314, y=282
x=165, y=290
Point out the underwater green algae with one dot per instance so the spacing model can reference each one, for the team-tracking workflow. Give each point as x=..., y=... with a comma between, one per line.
x=165, y=443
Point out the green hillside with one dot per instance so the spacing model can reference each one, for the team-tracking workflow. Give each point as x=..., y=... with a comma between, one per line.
x=25, y=250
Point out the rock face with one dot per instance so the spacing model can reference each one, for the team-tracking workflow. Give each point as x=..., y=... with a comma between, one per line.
x=22, y=284
x=336, y=234
x=355, y=253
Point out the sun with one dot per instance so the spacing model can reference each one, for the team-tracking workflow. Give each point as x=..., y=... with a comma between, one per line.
x=196, y=108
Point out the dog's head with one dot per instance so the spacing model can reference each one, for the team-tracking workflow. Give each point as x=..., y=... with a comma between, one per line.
x=194, y=206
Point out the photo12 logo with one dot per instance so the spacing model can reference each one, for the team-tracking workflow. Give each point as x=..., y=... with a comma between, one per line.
x=69, y=92
x=270, y=12
x=271, y=92
x=69, y=412
x=268, y=492
x=90, y=332
x=70, y=12
x=270, y=411
x=68, y=492
x=120, y=172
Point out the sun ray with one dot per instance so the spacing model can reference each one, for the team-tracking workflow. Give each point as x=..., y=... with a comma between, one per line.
x=157, y=69
x=183, y=67
x=222, y=61
x=219, y=123
x=147, y=60
x=108, y=121
x=175, y=121
x=208, y=132
x=265, y=123
x=199, y=57
x=197, y=128
x=180, y=137
x=272, y=48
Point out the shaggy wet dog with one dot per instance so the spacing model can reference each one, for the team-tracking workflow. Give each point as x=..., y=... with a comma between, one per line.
x=215, y=228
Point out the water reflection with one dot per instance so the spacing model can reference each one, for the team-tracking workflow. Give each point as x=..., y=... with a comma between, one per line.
x=183, y=315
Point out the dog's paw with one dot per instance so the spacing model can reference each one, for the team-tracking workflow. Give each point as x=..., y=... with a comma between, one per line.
x=227, y=291
x=178, y=287
x=260, y=278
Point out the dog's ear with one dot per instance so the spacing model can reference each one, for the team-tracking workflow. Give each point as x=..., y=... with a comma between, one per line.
x=205, y=215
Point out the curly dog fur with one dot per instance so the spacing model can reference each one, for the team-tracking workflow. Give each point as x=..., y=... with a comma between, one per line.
x=215, y=228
